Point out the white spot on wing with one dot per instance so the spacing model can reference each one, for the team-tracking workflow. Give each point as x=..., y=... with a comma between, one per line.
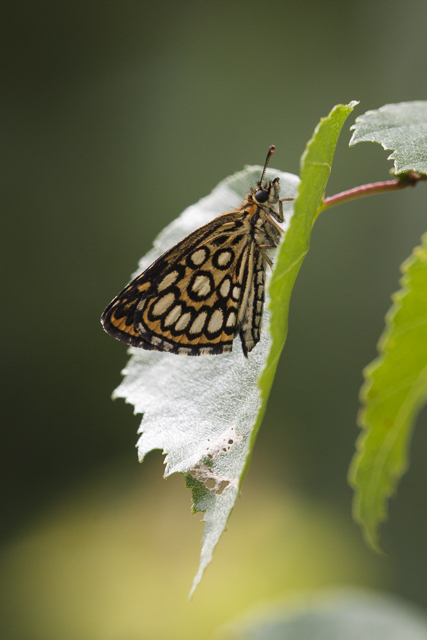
x=141, y=329
x=231, y=320
x=168, y=280
x=216, y=321
x=225, y=288
x=201, y=285
x=173, y=315
x=163, y=304
x=184, y=351
x=224, y=257
x=198, y=257
x=199, y=323
x=182, y=322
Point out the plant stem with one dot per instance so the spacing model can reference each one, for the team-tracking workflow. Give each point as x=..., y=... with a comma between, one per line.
x=407, y=180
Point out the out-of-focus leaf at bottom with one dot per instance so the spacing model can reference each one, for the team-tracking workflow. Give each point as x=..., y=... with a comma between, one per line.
x=345, y=614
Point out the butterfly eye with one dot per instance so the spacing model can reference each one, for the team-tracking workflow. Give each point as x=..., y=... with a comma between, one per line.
x=261, y=195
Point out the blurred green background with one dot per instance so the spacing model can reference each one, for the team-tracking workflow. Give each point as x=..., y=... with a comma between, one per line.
x=115, y=116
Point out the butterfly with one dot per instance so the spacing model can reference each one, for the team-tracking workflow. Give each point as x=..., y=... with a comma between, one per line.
x=196, y=297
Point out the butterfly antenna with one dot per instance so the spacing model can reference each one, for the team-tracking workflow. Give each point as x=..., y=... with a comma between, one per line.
x=269, y=154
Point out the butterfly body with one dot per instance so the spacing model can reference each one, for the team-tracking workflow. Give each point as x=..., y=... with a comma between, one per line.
x=197, y=296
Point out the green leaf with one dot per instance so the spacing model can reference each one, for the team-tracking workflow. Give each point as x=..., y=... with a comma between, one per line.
x=316, y=164
x=395, y=390
x=340, y=614
x=401, y=127
x=204, y=412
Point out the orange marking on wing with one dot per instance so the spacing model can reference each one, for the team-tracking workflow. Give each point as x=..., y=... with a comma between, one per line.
x=120, y=324
x=154, y=326
x=130, y=304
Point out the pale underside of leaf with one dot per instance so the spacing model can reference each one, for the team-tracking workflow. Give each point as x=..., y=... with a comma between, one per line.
x=395, y=390
x=200, y=411
x=204, y=412
x=399, y=127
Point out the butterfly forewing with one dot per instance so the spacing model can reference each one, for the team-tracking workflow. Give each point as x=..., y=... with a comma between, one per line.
x=190, y=300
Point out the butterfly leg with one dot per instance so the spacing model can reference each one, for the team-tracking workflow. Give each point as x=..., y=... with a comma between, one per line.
x=264, y=255
x=281, y=206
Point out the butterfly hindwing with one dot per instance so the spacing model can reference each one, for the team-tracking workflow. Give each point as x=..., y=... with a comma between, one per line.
x=250, y=327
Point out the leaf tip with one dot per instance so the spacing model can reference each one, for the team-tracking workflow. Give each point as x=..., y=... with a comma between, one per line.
x=369, y=528
x=370, y=535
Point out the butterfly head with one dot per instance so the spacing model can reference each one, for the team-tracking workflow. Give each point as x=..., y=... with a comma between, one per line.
x=268, y=193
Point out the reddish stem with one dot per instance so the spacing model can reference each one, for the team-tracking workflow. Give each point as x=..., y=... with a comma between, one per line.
x=408, y=180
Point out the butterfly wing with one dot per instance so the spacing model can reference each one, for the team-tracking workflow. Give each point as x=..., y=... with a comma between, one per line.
x=250, y=324
x=192, y=299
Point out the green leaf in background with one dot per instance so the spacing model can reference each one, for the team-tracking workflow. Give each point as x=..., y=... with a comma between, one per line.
x=401, y=127
x=341, y=614
x=395, y=390
x=205, y=412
